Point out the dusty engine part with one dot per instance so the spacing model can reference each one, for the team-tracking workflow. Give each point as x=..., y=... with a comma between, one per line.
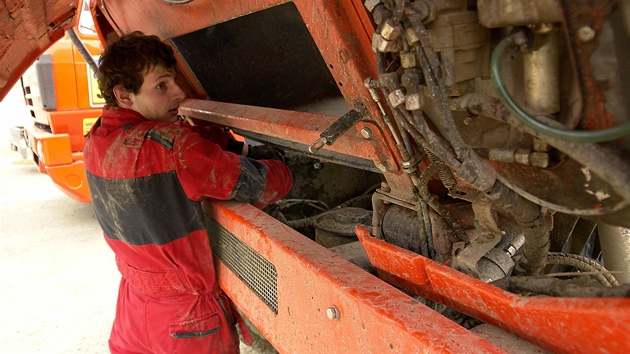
x=336, y=227
x=355, y=254
x=498, y=262
x=504, y=13
x=615, y=243
x=399, y=225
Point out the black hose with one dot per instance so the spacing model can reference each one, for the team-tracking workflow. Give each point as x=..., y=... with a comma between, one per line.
x=533, y=224
x=429, y=199
x=82, y=49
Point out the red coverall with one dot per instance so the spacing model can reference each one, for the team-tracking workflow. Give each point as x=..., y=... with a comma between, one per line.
x=146, y=179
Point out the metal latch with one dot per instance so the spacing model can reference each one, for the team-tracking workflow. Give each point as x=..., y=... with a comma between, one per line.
x=335, y=130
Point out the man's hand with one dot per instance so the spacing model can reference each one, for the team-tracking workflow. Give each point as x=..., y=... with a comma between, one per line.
x=265, y=152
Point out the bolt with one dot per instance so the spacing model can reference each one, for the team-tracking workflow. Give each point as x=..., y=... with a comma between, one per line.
x=521, y=156
x=382, y=166
x=384, y=45
x=317, y=165
x=391, y=31
x=333, y=313
x=412, y=36
x=371, y=4
x=367, y=132
x=586, y=33
x=503, y=155
x=413, y=102
x=396, y=98
x=511, y=250
x=539, y=159
x=408, y=60
x=380, y=14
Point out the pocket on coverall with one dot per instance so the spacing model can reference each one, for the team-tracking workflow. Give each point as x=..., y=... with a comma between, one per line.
x=192, y=335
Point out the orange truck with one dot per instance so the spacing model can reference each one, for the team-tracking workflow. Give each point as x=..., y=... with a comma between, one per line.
x=461, y=167
x=63, y=99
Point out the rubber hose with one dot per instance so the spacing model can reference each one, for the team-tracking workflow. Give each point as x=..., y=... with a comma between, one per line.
x=298, y=223
x=584, y=264
x=584, y=136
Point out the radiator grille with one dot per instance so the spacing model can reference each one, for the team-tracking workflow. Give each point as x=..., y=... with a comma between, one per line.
x=255, y=271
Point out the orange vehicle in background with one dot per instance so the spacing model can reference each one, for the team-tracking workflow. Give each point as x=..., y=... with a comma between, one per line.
x=62, y=96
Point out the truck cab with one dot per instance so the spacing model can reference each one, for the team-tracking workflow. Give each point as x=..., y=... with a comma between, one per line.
x=62, y=96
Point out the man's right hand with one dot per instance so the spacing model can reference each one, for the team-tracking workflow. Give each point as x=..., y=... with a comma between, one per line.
x=265, y=152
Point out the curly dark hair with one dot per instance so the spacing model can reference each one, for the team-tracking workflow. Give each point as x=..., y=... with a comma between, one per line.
x=127, y=59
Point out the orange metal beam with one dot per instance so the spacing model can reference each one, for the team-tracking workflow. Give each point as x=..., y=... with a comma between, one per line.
x=570, y=325
x=341, y=30
x=299, y=127
x=341, y=34
x=374, y=317
x=302, y=128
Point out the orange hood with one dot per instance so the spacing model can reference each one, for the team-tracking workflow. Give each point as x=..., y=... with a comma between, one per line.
x=27, y=29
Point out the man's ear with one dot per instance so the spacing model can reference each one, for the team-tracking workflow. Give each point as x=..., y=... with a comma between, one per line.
x=122, y=96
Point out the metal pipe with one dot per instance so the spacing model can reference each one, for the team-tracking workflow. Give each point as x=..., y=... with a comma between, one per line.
x=541, y=69
x=615, y=244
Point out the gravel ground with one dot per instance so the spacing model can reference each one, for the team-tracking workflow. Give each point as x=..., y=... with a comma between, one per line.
x=59, y=280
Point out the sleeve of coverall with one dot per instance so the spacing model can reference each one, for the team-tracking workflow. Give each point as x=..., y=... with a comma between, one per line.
x=205, y=170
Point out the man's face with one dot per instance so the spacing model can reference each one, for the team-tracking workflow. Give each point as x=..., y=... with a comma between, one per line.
x=159, y=96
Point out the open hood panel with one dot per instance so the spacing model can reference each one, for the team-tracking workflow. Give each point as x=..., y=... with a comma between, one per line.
x=27, y=29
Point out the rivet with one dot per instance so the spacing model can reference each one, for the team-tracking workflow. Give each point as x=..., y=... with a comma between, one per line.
x=586, y=33
x=333, y=313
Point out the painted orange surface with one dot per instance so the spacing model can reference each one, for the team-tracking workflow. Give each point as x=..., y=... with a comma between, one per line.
x=57, y=149
x=374, y=317
x=575, y=325
x=29, y=30
x=71, y=180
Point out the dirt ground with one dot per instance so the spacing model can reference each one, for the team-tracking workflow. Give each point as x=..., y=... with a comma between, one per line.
x=59, y=280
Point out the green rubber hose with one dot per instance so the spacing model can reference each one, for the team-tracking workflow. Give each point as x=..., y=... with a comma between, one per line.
x=577, y=136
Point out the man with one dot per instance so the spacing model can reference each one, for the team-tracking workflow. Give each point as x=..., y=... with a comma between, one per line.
x=147, y=174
